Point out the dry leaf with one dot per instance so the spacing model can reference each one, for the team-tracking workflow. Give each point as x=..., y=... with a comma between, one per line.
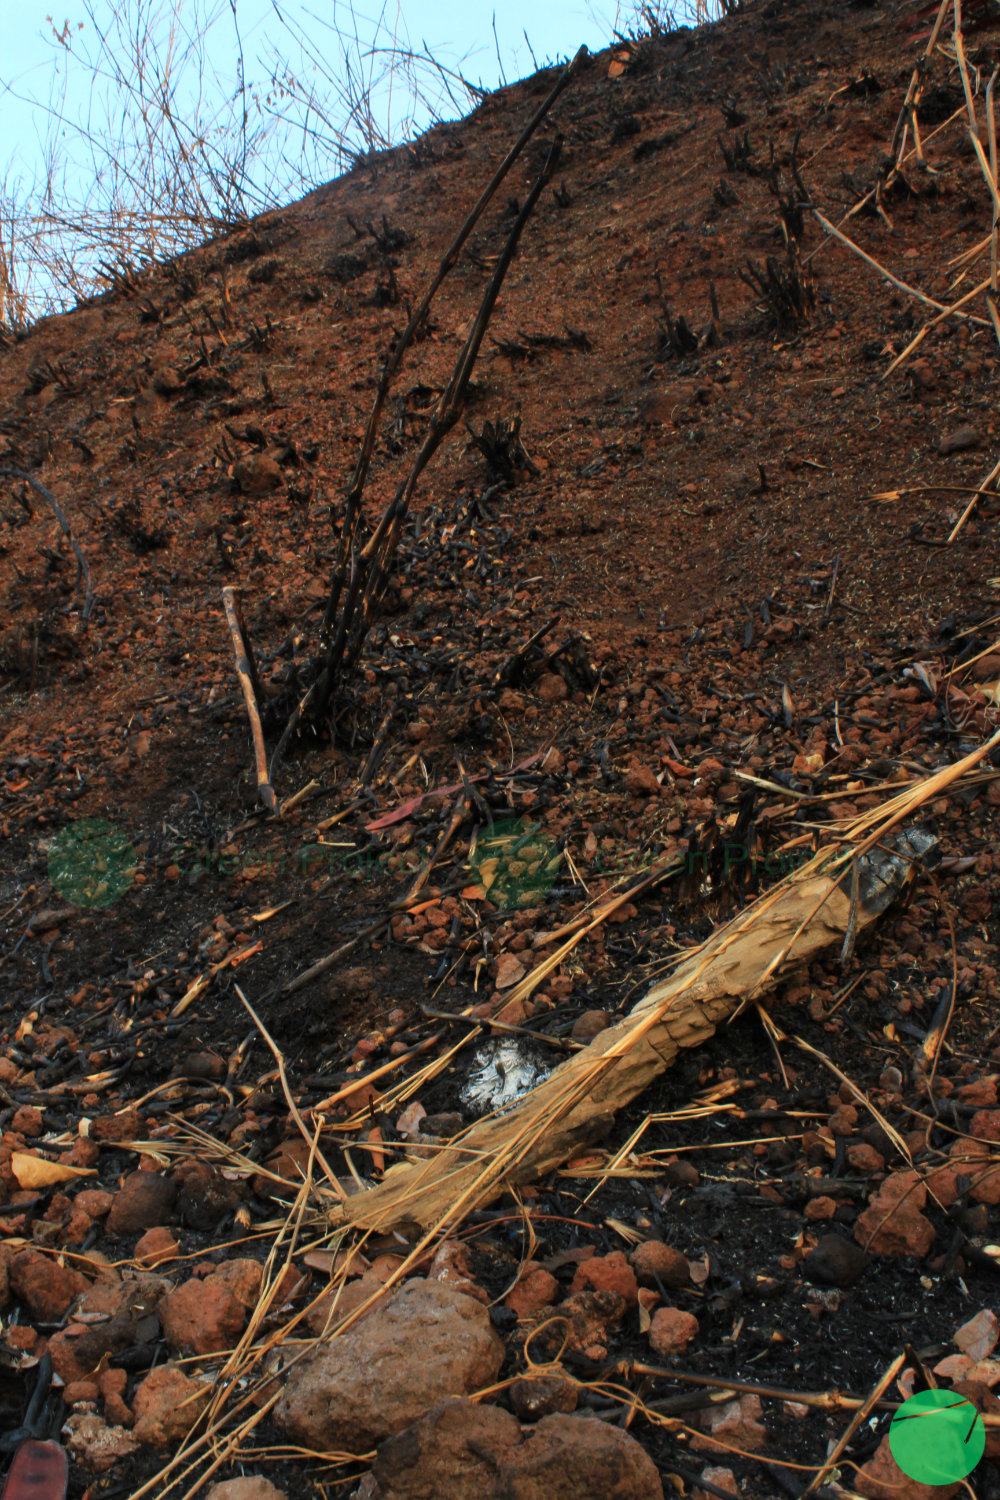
x=34, y=1172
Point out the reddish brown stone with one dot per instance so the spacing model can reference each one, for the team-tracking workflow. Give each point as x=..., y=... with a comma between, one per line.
x=671, y=1330
x=425, y=1342
x=893, y=1223
x=95, y=1202
x=167, y=1404
x=243, y=1278
x=881, y=1478
x=145, y=1199
x=44, y=1286
x=155, y=1247
x=534, y=1293
x=531, y=1399
x=607, y=1273
x=653, y=1261
x=202, y=1317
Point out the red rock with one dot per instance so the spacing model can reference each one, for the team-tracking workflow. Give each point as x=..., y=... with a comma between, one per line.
x=654, y=1261
x=112, y=1384
x=821, y=1208
x=243, y=1278
x=552, y=688
x=671, y=1330
x=641, y=781
x=464, y=1449
x=986, y=1125
x=259, y=474
x=425, y=1342
x=202, y=1317
x=124, y=1127
x=167, y=1404
x=584, y=1321
x=532, y=1398
x=720, y=1479
x=452, y=1265
x=893, y=1224
x=145, y=1199
x=864, y=1158
x=607, y=1273
x=155, y=1247
x=79, y=1391
x=987, y=1402
x=982, y=1092
x=844, y=1119
x=590, y=1024
x=27, y=1121
x=978, y=1337
x=882, y=1479
x=45, y=1287
x=534, y=1293
x=335, y=1304
x=204, y=1196
x=95, y=1202
x=94, y=1445
x=735, y=1422
x=250, y=1487
x=288, y=1163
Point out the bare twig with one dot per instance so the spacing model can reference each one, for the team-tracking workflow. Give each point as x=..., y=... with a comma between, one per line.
x=82, y=569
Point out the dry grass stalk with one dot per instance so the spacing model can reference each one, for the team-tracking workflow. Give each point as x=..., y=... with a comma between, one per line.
x=983, y=487
x=293, y=1108
x=918, y=338
x=904, y=286
x=907, y=114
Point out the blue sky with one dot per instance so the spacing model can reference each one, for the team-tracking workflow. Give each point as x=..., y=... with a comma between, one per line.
x=459, y=34
x=35, y=70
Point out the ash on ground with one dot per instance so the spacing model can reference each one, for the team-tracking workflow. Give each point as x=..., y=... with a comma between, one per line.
x=502, y=1073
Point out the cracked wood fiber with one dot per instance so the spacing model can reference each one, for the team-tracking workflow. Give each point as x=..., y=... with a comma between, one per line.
x=579, y=1098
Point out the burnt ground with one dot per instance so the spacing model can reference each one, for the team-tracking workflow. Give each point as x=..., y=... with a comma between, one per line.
x=693, y=515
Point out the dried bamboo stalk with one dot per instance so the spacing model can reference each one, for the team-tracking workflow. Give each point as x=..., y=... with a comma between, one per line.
x=584, y=1092
x=802, y=915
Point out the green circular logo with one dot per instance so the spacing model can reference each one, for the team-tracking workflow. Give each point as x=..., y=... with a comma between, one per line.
x=91, y=862
x=516, y=862
x=937, y=1437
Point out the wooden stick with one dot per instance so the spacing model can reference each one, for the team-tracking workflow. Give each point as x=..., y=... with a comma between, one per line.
x=246, y=673
x=991, y=127
x=880, y=1386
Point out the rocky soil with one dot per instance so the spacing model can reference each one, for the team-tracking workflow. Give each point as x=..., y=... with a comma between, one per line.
x=691, y=618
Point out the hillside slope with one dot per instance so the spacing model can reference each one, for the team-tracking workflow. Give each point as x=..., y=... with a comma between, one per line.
x=710, y=606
